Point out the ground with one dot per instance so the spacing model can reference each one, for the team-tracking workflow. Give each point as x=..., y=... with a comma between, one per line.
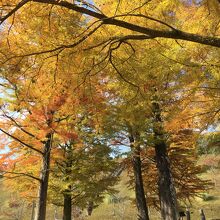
x=126, y=210
x=118, y=207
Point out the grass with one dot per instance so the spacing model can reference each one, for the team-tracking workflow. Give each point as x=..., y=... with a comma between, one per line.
x=126, y=210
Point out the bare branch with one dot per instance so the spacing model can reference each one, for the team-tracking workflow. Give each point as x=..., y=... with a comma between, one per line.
x=146, y=17
x=116, y=69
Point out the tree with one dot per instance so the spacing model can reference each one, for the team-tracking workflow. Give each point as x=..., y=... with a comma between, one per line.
x=34, y=123
x=185, y=170
x=82, y=169
x=42, y=146
x=127, y=128
x=86, y=174
x=53, y=113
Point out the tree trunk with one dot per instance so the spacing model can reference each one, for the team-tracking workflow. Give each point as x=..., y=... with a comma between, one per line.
x=67, y=209
x=90, y=208
x=33, y=208
x=202, y=215
x=139, y=188
x=166, y=188
x=188, y=214
x=44, y=178
x=67, y=206
x=167, y=193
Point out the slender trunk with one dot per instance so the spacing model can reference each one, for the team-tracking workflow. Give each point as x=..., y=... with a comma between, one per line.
x=42, y=193
x=167, y=193
x=90, y=208
x=139, y=188
x=67, y=206
x=188, y=214
x=55, y=214
x=67, y=209
x=202, y=215
x=33, y=208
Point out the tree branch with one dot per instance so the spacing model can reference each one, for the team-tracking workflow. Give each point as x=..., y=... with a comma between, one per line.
x=58, y=49
x=17, y=7
x=154, y=33
x=18, y=125
x=20, y=141
x=173, y=34
x=20, y=174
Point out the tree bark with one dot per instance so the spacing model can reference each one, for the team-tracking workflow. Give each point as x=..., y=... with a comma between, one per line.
x=166, y=188
x=202, y=215
x=188, y=214
x=67, y=209
x=139, y=188
x=67, y=206
x=44, y=178
x=167, y=193
x=90, y=208
x=33, y=208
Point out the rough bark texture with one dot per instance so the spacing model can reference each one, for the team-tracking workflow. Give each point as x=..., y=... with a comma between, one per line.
x=166, y=188
x=167, y=193
x=139, y=188
x=44, y=178
x=67, y=209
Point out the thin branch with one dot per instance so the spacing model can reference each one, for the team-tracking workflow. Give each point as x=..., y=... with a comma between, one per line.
x=117, y=7
x=20, y=174
x=17, y=7
x=146, y=17
x=116, y=69
x=18, y=125
x=59, y=49
x=20, y=141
